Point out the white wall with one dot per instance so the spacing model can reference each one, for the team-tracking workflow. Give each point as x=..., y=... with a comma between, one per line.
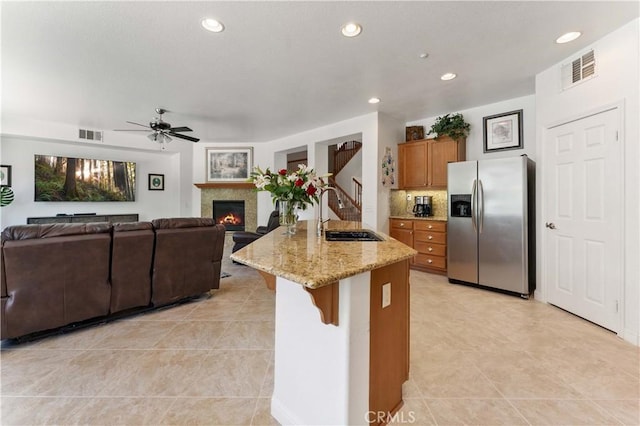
x=391, y=131
x=617, y=81
x=474, y=116
x=22, y=139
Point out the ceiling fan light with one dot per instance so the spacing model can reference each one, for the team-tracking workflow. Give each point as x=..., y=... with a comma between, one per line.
x=166, y=138
x=153, y=137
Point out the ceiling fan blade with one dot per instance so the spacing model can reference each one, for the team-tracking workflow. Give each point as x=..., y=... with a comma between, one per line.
x=180, y=129
x=189, y=138
x=138, y=124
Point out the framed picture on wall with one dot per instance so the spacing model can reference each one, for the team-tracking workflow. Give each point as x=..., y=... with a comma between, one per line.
x=503, y=131
x=229, y=164
x=5, y=175
x=156, y=182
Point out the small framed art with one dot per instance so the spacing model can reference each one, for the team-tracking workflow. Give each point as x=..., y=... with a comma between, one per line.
x=156, y=182
x=503, y=131
x=414, y=133
x=5, y=175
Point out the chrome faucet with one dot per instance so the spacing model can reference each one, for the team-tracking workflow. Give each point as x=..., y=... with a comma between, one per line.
x=320, y=227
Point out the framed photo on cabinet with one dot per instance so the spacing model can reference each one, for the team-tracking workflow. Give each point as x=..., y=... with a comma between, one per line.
x=503, y=131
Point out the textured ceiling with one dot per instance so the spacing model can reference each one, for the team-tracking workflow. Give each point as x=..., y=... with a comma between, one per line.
x=280, y=67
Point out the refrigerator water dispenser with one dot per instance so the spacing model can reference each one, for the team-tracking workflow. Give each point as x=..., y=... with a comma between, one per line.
x=461, y=205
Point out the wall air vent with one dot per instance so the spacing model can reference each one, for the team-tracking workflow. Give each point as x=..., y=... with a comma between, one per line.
x=578, y=70
x=91, y=135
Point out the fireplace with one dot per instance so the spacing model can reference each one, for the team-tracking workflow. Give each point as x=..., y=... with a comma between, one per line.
x=230, y=213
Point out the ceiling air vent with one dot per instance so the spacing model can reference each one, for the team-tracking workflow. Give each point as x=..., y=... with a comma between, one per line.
x=92, y=135
x=579, y=70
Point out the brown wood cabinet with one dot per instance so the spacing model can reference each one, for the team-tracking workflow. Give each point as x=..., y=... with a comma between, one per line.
x=402, y=230
x=428, y=237
x=423, y=163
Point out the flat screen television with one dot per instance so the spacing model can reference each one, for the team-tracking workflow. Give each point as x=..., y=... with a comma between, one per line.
x=83, y=179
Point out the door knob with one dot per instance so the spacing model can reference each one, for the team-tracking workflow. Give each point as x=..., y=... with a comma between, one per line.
x=550, y=225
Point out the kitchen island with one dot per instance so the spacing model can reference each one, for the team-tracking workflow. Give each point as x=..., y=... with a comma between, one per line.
x=341, y=324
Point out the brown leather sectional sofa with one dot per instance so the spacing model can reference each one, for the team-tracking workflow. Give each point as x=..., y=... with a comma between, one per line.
x=55, y=275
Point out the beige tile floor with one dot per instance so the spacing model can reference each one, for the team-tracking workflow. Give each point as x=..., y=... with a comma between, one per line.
x=477, y=357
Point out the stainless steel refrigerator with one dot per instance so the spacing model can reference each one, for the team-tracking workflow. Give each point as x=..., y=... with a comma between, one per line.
x=491, y=224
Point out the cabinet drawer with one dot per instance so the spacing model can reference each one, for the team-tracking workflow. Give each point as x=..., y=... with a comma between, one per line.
x=430, y=261
x=430, y=237
x=401, y=224
x=430, y=225
x=430, y=249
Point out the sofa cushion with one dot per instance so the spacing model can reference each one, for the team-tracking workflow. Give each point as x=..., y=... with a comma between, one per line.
x=51, y=230
x=132, y=226
x=131, y=261
x=187, y=258
x=50, y=281
x=182, y=222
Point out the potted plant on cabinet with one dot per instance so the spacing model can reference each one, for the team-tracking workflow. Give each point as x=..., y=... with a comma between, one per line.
x=452, y=125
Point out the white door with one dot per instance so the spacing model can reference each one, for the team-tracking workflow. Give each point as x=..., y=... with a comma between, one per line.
x=583, y=215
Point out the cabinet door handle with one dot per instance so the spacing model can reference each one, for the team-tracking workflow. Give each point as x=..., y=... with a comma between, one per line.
x=430, y=249
x=429, y=227
x=429, y=261
x=401, y=224
x=430, y=237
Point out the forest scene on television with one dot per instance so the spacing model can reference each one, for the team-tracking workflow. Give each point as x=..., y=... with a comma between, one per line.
x=83, y=179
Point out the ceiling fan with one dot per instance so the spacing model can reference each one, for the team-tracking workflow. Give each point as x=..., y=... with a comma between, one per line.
x=161, y=131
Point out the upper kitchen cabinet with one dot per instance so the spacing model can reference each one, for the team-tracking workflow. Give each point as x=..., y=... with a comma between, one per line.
x=423, y=163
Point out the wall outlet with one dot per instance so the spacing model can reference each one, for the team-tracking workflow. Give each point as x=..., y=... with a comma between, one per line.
x=386, y=295
x=408, y=197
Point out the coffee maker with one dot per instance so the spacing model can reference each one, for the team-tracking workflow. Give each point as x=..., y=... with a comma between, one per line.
x=422, y=207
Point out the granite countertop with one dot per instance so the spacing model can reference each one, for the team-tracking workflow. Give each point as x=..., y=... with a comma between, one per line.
x=412, y=217
x=314, y=262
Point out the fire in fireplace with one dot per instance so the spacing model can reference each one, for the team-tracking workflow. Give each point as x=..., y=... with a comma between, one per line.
x=230, y=213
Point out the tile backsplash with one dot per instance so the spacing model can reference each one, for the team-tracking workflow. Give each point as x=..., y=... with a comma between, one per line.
x=399, y=206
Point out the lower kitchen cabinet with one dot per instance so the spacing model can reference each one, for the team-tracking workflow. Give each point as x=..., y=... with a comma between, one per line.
x=428, y=237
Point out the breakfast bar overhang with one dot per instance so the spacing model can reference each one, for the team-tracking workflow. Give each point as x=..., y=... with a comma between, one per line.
x=341, y=324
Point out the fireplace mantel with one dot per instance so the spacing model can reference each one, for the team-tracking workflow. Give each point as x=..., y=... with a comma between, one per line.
x=228, y=185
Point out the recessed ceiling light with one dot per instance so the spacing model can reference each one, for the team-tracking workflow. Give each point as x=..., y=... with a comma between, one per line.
x=351, y=29
x=566, y=38
x=448, y=76
x=374, y=100
x=212, y=25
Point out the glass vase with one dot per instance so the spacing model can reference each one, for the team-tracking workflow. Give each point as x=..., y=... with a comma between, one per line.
x=288, y=215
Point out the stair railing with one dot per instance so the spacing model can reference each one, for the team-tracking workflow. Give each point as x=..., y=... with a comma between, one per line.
x=357, y=190
x=343, y=154
x=350, y=210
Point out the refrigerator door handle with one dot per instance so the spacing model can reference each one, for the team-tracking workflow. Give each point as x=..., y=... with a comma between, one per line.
x=473, y=204
x=480, y=206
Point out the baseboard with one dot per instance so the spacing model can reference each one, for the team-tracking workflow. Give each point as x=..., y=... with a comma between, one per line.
x=631, y=336
x=282, y=414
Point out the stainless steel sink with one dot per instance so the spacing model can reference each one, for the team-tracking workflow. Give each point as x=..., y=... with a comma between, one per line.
x=351, y=235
